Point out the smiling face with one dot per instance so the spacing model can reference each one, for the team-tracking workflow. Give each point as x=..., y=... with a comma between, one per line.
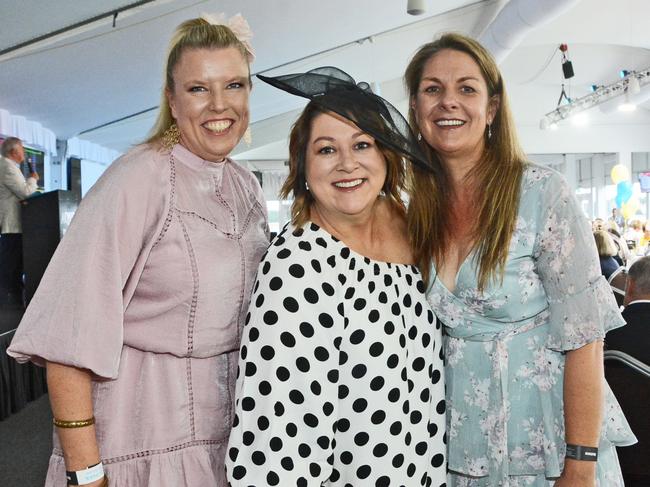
x=209, y=101
x=452, y=106
x=345, y=169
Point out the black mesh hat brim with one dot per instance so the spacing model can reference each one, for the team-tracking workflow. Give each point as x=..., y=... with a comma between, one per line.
x=336, y=91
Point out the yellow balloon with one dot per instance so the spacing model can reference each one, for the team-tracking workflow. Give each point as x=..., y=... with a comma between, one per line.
x=629, y=208
x=619, y=173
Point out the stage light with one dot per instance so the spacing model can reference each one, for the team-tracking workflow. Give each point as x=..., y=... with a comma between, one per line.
x=627, y=105
x=624, y=95
x=580, y=119
x=633, y=86
x=544, y=123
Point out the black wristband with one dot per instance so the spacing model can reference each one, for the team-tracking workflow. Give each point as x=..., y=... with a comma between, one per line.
x=579, y=452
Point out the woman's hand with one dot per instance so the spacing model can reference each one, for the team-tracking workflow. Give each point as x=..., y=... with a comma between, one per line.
x=577, y=473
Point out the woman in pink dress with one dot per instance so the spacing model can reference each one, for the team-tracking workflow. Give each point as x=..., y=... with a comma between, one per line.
x=139, y=314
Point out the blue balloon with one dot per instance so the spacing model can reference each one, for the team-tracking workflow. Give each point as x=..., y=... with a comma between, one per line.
x=619, y=201
x=623, y=192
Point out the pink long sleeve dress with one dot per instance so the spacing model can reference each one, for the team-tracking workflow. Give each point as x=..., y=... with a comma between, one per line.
x=149, y=290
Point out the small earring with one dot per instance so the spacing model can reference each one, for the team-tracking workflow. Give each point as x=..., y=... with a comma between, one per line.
x=248, y=136
x=489, y=130
x=419, y=136
x=306, y=185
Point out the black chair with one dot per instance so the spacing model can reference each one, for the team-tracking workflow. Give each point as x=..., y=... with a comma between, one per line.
x=629, y=379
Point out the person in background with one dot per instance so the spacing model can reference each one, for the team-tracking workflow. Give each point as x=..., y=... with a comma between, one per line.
x=340, y=374
x=139, y=313
x=634, y=339
x=631, y=387
x=513, y=275
x=633, y=234
x=623, y=255
x=644, y=242
x=616, y=218
x=607, y=253
x=13, y=188
x=597, y=224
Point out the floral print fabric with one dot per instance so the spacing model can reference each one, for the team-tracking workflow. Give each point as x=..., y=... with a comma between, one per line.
x=505, y=346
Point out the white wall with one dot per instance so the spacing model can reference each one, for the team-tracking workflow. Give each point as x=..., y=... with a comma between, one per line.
x=90, y=172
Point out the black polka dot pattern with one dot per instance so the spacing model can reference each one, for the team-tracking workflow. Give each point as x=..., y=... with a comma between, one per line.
x=341, y=381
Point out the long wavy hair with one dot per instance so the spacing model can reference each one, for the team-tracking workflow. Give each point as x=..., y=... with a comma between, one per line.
x=497, y=176
x=192, y=34
x=296, y=181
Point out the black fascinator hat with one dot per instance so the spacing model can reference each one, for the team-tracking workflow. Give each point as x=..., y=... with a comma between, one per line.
x=335, y=90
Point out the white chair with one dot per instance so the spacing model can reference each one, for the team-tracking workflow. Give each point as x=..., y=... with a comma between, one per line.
x=617, y=282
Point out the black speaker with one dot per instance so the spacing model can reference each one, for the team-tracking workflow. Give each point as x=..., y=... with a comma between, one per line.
x=567, y=69
x=45, y=219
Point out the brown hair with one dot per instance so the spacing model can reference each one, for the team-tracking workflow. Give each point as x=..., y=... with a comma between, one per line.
x=192, y=34
x=497, y=176
x=296, y=180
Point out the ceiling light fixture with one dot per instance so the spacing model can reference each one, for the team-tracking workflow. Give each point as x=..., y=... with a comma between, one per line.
x=633, y=86
x=416, y=7
x=626, y=106
x=580, y=119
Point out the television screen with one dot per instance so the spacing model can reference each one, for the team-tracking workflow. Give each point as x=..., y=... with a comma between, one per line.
x=644, y=181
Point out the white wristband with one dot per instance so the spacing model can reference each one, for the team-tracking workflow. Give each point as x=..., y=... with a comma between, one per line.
x=83, y=477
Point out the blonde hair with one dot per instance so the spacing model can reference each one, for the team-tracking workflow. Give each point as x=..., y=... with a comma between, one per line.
x=605, y=244
x=497, y=175
x=192, y=34
x=296, y=182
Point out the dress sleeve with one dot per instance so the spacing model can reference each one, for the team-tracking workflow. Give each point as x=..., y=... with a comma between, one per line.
x=581, y=303
x=286, y=406
x=76, y=316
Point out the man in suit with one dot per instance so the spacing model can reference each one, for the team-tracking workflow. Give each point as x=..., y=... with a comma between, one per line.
x=13, y=188
x=630, y=387
x=618, y=219
x=634, y=338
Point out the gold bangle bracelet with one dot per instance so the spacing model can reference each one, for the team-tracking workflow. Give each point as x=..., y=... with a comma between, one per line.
x=59, y=423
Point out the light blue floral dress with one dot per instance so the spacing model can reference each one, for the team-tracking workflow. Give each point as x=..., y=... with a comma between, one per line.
x=505, y=347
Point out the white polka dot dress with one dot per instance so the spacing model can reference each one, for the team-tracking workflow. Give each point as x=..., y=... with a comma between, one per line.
x=340, y=376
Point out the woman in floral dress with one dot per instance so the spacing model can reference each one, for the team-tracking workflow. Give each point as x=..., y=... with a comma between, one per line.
x=514, y=277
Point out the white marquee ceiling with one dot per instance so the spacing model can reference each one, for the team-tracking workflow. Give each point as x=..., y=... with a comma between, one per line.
x=99, y=74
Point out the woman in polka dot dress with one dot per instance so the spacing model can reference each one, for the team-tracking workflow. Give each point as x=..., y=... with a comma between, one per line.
x=340, y=377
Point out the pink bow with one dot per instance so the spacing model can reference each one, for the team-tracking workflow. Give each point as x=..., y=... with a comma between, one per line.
x=237, y=23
